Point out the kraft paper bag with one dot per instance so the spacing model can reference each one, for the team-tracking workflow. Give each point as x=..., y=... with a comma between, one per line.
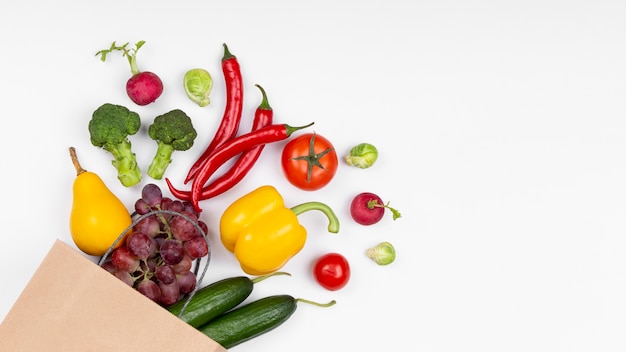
x=71, y=304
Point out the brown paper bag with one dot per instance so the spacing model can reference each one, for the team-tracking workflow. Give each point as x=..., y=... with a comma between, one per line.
x=71, y=304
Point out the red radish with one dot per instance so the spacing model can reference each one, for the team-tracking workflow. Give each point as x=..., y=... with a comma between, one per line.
x=143, y=87
x=368, y=208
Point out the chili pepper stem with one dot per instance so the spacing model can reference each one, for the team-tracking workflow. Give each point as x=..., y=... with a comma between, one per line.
x=291, y=129
x=265, y=104
x=227, y=54
x=333, y=221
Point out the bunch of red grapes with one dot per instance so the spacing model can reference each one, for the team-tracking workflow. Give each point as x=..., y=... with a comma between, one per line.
x=157, y=257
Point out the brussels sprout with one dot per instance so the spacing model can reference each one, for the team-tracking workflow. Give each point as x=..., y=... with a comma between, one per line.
x=198, y=84
x=382, y=254
x=362, y=156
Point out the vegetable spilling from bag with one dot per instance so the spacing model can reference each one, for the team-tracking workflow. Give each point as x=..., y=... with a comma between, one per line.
x=263, y=233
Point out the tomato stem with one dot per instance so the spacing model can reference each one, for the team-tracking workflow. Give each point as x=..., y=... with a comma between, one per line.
x=313, y=159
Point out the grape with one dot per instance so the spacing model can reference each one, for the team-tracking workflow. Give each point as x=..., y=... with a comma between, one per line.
x=159, y=241
x=174, y=205
x=172, y=251
x=125, y=277
x=204, y=227
x=155, y=248
x=186, y=282
x=188, y=207
x=169, y=293
x=181, y=228
x=165, y=274
x=150, y=265
x=151, y=226
x=196, y=247
x=184, y=265
x=108, y=266
x=150, y=289
x=141, y=207
x=165, y=203
x=123, y=260
x=152, y=195
x=140, y=245
x=191, y=215
x=157, y=257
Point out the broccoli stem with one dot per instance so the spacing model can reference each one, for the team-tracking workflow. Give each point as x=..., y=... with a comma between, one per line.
x=161, y=160
x=125, y=162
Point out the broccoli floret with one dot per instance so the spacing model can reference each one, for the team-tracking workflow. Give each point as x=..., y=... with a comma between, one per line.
x=109, y=127
x=172, y=131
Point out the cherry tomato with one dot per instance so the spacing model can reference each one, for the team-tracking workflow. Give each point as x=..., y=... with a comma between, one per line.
x=332, y=271
x=309, y=161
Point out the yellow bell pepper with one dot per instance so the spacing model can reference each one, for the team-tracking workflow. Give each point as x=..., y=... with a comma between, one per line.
x=264, y=234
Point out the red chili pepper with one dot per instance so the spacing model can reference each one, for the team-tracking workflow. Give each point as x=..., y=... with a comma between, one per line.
x=234, y=147
x=232, y=113
x=262, y=117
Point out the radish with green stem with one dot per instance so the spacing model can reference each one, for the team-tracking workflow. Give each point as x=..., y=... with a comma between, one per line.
x=143, y=87
x=368, y=208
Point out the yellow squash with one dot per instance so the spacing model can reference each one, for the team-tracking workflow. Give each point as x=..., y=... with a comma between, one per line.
x=97, y=217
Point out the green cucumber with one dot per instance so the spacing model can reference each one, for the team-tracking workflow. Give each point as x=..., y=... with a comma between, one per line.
x=215, y=299
x=253, y=319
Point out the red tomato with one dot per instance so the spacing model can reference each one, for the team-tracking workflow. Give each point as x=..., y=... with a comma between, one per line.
x=332, y=271
x=309, y=161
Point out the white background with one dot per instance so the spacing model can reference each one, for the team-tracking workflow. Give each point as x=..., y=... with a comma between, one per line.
x=502, y=141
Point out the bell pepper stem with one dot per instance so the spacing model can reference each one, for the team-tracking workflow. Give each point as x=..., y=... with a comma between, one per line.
x=333, y=221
